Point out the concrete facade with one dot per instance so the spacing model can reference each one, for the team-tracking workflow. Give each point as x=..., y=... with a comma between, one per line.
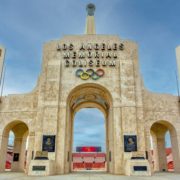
x=129, y=108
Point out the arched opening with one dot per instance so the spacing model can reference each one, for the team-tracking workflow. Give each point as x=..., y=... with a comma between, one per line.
x=89, y=96
x=14, y=147
x=89, y=140
x=9, y=155
x=164, y=147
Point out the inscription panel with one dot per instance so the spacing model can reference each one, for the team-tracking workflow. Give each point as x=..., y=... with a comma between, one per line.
x=39, y=168
x=140, y=168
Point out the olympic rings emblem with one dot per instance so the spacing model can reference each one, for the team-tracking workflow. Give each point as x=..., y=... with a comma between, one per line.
x=90, y=73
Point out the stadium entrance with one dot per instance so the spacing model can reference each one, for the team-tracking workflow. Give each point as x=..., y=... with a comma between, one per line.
x=83, y=97
x=89, y=71
x=89, y=141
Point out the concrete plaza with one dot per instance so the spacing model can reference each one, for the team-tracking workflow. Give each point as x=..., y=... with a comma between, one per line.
x=89, y=176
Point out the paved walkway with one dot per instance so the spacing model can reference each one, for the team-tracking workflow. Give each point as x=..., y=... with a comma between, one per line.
x=88, y=176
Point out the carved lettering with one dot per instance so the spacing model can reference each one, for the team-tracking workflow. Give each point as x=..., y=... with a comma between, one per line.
x=90, y=54
x=112, y=63
x=66, y=55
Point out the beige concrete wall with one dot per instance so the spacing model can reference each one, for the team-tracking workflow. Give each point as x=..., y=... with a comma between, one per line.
x=15, y=109
x=47, y=109
x=126, y=94
x=163, y=109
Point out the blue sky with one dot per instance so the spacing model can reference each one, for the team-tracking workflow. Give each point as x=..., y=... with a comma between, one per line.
x=89, y=128
x=26, y=25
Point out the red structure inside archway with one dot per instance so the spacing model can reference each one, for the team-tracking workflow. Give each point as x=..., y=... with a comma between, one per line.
x=170, y=164
x=89, y=161
x=89, y=158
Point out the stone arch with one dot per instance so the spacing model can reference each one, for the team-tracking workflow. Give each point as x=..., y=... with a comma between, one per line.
x=90, y=95
x=91, y=86
x=83, y=96
x=21, y=131
x=158, y=130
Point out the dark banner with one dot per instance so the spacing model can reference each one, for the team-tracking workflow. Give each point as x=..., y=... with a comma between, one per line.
x=88, y=149
x=16, y=157
x=48, y=143
x=130, y=143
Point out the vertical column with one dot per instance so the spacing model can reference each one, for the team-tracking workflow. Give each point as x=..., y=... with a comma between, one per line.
x=30, y=149
x=175, y=141
x=38, y=130
x=22, y=162
x=148, y=148
x=17, y=150
x=110, y=141
x=118, y=142
x=68, y=140
x=60, y=142
x=155, y=153
x=140, y=130
x=162, y=153
x=3, y=151
x=38, y=141
x=52, y=92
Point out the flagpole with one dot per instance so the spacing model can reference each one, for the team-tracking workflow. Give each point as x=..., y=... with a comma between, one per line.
x=2, y=74
x=3, y=77
x=177, y=84
x=3, y=62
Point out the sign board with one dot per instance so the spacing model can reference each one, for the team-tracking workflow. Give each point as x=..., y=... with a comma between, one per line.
x=88, y=149
x=48, y=143
x=130, y=143
x=39, y=168
x=140, y=168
